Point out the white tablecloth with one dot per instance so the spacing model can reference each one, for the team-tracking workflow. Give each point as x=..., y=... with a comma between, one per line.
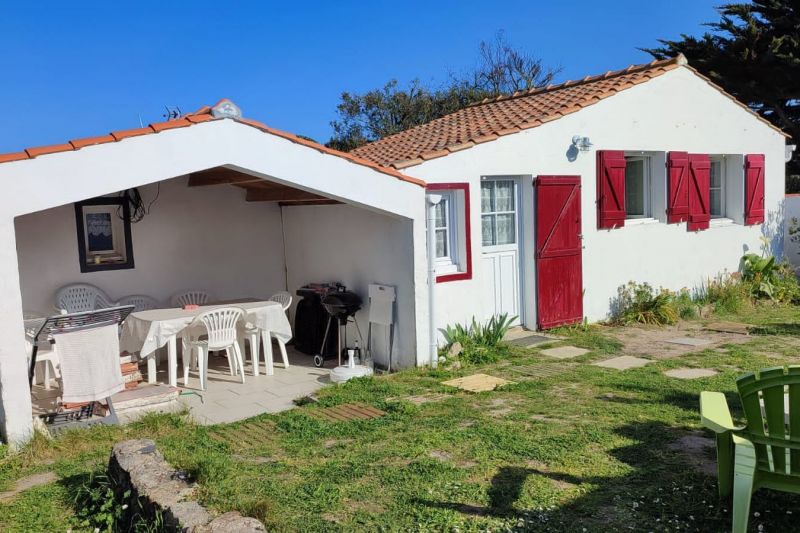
x=146, y=331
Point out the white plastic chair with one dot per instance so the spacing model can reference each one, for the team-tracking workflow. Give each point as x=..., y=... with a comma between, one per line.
x=284, y=298
x=80, y=297
x=221, y=327
x=190, y=297
x=140, y=302
x=253, y=335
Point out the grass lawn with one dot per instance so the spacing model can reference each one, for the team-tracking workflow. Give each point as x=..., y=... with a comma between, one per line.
x=583, y=449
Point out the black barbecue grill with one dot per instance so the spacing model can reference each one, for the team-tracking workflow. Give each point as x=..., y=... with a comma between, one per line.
x=340, y=305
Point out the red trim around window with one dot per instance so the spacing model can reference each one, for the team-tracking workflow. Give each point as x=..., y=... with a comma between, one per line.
x=464, y=187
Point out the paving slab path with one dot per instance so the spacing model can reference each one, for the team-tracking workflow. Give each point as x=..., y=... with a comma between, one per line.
x=690, y=373
x=623, y=362
x=565, y=352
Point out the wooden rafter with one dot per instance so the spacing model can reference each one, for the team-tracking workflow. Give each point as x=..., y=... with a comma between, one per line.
x=220, y=176
x=280, y=195
x=257, y=189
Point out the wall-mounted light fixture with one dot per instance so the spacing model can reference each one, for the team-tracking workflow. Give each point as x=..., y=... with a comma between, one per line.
x=581, y=143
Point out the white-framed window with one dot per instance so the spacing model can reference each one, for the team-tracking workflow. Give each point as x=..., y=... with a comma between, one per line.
x=446, y=232
x=498, y=212
x=637, y=187
x=717, y=188
x=451, y=228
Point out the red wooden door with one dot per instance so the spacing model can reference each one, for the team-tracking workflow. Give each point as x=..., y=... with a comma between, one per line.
x=559, y=280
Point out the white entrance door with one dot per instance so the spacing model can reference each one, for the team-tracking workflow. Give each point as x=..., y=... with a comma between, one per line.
x=501, y=250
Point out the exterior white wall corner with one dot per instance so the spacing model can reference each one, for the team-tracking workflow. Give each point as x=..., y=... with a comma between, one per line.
x=15, y=399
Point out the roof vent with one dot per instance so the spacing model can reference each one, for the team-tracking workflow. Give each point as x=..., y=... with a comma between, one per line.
x=226, y=109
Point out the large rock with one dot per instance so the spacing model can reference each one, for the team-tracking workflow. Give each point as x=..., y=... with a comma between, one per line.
x=137, y=465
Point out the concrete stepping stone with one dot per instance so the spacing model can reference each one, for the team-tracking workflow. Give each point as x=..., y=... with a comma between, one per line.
x=477, y=383
x=730, y=327
x=623, y=362
x=690, y=373
x=690, y=341
x=29, y=482
x=565, y=352
x=530, y=340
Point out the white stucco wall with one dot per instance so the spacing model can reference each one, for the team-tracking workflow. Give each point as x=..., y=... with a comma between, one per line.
x=357, y=247
x=675, y=111
x=792, y=209
x=194, y=238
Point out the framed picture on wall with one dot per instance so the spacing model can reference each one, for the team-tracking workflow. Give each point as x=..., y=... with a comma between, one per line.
x=104, y=234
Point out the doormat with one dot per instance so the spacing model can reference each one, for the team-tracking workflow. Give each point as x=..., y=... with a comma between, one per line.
x=540, y=371
x=477, y=383
x=244, y=436
x=346, y=412
x=730, y=327
x=530, y=340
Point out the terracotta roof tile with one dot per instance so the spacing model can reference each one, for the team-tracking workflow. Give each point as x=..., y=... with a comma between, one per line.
x=52, y=149
x=201, y=115
x=13, y=156
x=89, y=141
x=504, y=115
x=135, y=132
x=170, y=124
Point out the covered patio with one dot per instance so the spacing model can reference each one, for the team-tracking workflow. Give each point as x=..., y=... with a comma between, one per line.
x=231, y=207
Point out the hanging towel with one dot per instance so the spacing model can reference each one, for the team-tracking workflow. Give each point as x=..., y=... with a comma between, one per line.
x=90, y=367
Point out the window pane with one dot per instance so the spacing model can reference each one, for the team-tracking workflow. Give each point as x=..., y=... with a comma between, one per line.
x=506, y=232
x=634, y=188
x=441, y=243
x=715, y=201
x=442, y=209
x=504, y=196
x=487, y=229
x=716, y=174
x=486, y=196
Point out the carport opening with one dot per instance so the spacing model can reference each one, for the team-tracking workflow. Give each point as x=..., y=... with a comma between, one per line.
x=238, y=237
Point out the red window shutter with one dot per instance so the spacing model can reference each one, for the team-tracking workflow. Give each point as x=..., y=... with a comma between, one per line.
x=754, y=189
x=678, y=187
x=610, y=189
x=699, y=191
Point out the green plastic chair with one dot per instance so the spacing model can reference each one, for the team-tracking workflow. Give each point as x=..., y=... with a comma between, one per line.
x=766, y=452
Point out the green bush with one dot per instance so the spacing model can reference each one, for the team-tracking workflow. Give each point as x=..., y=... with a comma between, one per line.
x=725, y=292
x=481, y=343
x=766, y=278
x=640, y=303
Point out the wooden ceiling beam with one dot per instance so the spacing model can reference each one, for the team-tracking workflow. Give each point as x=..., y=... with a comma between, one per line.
x=323, y=201
x=220, y=176
x=286, y=195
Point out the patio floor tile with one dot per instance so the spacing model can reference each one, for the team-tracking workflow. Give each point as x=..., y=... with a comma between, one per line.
x=623, y=362
x=565, y=352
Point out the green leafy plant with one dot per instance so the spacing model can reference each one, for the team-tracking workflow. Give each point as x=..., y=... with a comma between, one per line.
x=640, y=303
x=760, y=273
x=101, y=504
x=767, y=278
x=724, y=291
x=481, y=342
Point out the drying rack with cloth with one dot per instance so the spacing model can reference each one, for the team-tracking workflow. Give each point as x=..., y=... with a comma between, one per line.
x=88, y=346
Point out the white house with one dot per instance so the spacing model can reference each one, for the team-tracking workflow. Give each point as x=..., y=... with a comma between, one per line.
x=550, y=200
x=637, y=152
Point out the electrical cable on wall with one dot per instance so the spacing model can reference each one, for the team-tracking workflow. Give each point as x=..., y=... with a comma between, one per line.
x=138, y=208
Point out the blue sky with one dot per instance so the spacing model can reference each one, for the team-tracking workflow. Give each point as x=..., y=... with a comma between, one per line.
x=75, y=69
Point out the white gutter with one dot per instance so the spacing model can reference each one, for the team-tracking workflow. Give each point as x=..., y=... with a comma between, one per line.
x=432, y=201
